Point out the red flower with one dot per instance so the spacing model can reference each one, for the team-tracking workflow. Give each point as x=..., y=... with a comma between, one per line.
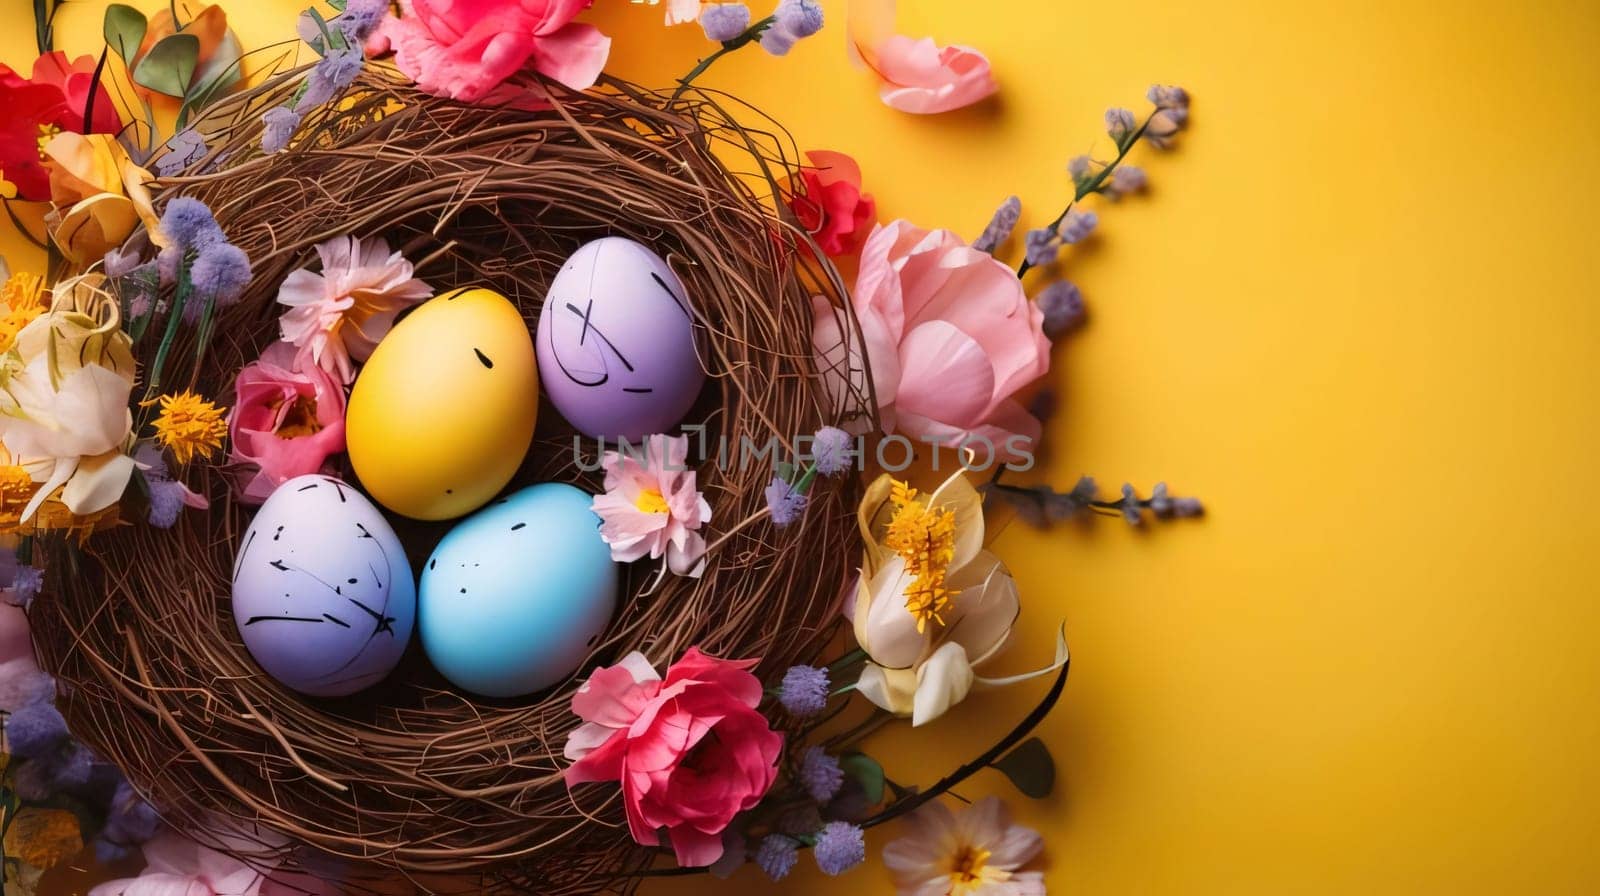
x=37, y=108
x=834, y=209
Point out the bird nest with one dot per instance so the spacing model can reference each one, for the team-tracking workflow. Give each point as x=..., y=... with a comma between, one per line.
x=414, y=781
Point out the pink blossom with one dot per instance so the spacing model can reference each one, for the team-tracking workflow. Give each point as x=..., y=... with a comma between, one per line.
x=177, y=866
x=918, y=75
x=341, y=313
x=977, y=851
x=691, y=752
x=286, y=420
x=949, y=335
x=465, y=49
x=650, y=506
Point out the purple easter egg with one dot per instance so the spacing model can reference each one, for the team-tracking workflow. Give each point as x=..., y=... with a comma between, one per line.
x=616, y=342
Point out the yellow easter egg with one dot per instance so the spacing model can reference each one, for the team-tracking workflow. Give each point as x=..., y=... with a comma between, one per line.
x=442, y=413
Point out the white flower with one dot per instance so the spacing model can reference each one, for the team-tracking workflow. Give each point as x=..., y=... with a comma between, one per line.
x=976, y=853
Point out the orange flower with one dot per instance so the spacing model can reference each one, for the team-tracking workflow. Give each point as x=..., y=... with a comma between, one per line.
x=99, y=193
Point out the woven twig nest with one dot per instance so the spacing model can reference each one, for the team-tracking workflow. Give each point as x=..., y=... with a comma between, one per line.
x=415, y=779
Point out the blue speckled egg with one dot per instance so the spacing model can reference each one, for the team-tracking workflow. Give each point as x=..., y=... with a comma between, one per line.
x=515, y=595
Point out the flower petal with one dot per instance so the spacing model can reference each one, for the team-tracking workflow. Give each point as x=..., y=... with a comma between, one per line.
x=942, y=682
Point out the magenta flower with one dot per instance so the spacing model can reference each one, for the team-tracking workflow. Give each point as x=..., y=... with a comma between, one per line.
x=651, y=506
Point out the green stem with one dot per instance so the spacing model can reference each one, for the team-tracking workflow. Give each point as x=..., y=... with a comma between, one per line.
x=728, y=46
x=1093, y=184
x=173, y=320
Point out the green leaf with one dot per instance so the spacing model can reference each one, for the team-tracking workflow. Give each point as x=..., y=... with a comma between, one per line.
x=124, y=29
x=170, y=64
x=1030, y=768
x=330, y=40
x=866, y=772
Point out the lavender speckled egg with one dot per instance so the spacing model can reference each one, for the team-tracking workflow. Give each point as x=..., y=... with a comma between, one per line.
x=322, y=592
x=616, y=343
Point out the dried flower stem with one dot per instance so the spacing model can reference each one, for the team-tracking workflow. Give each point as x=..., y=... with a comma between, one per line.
x=1093, y=184
x=749, y=35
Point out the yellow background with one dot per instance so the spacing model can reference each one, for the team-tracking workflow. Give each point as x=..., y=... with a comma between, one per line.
x=1357, y=315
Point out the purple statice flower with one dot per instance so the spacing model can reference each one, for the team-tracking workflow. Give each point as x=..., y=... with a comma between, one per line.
x=831, y=450
x=1126, y=179
x=723, y=22
x=1172, y=113
x=777, y=41
x=840, y=847
x=1187, y=507
x=1160, y=503
x=1000, y=226
x=360, y=18
x=776, y=855
x=25, y=585
x=1132, y=510
x=184, y=149
x=785, y=504
x=280, y=123
x=21, y=683
x=130, y=821
x=166, y=503
x=801, y=18
x=1120, y=124
x=220, y=274
x=804, y=691
x=1078, y=167
x=67, y=769
x=1167, y=97
x=820, y=775
x=1062, y=305
x=189, y=225
x=1077, y=226
x=332, y=73
x=1041, y=246
x=36, y=730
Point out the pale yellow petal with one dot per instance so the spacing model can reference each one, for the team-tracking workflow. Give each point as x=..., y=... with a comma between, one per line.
x=872, y=517
x=985, y=609
x=942, y=682
x=98, y=483
x=958, y=496
x=893, y=690
x=890, y=633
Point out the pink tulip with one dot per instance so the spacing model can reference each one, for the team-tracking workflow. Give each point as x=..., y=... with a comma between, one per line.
x=949, y=339
x=285, y=421
x=464, y=49
x=691, y=752
x=918, y=76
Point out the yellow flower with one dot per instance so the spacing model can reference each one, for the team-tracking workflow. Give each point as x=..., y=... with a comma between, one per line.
x=189, y=426
x=100, y=195
x=925, y=537
x=21, y=300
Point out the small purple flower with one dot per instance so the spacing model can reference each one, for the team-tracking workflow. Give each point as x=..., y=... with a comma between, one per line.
x=35, y=731
x=777, y=41
x=1182, y=507
x=67, y=769
x=801, y=18
x=1062, y=304
x=820, y=774
x=1172, y=113
x=188, y=224
x=1000, y=226
x=1132, y=510
x=360, y=18
x=831, y=450
x=220, y=274
x=1119, y=125
x=120, y=262
x=130, y=821
x=25, y=585
x=166, y=503
x=776, y=855
x=1167, y=97
x=1160, y=504
x=1126, y=179
x=1078, y=167
x=1041, y=246
x=785, y=504
x=280, y=123
x=804, y=691
x=840, y=847
x=332, y=73
x=1077, y=226
x=184, y=149
x=723, y=22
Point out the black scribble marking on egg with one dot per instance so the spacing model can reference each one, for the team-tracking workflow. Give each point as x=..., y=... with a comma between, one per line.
x=583, y=336
x=668, y=290
x=376, y=579
x=463, y=591
x=278, y=534
x=592, y=638
x=638, y=390
x=335, y=620
x=453, y=296
x=307, y=488
x=434, y=563
x=238, y=565
x=337, y=590
x=518, y=526
x=279, y=565
x=337, y=489
x=502, y=500
x=483, y=359
x=382, y=623
x=254, y=619
x=364, y=532
x=449, y=491
x=350, y=581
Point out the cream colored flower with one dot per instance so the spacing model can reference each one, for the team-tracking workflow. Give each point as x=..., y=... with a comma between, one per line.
x=64, y=391
x=932, y=603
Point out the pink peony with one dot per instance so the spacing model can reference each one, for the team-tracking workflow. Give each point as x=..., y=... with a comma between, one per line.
x=341, y=313
x=691, y=752
x=285, y=421
x=465, y=49
x=834, y=210
x=949, y=339
x=176, y=866
x=653, y=507
x=918, y=75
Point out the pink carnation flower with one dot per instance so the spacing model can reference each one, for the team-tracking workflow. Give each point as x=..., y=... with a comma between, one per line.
x=341, y=313
x=691, y=752
x=285, y=421
x=465, y=49
x=650, y=506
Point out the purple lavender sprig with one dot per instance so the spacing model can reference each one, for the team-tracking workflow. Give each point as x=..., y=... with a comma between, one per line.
x=1042, y=505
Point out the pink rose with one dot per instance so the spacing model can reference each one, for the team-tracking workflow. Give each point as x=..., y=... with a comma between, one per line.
x=286, y=421
x=464, y=49
x=918, y=75
x=834, y=210
x=949, y=339
x=691, y=752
